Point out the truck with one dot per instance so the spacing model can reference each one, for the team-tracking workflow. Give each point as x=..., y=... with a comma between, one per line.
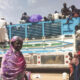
x=46, y=43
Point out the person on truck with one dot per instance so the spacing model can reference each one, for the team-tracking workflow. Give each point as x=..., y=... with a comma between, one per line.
x=65, y=10
x=13, y=65
x=75, y=12
x=24, y=18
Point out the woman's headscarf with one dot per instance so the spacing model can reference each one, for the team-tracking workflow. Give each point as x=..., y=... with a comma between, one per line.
x=16, y=38
x=13, y=63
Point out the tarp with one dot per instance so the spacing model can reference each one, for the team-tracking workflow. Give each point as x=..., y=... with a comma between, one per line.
x=35, y=18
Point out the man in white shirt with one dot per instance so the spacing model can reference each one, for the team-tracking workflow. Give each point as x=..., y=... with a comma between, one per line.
x=56, y=15
x=3, y=31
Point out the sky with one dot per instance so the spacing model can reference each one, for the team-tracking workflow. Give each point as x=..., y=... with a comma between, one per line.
x=12, y=10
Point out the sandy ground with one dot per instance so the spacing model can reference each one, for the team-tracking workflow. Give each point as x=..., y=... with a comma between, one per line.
x=48, y=76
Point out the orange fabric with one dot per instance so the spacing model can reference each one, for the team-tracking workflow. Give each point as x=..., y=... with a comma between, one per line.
x=76, y=15
x=78, y=52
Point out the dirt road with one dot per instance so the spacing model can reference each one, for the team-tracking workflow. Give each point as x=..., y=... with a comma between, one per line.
x=47, y=76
